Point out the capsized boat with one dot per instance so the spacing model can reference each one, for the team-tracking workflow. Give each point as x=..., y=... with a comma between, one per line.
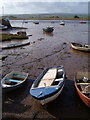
x=13, y=80
x=78, y=46
x=49, y=84
x=82, y=84
x=48, y=29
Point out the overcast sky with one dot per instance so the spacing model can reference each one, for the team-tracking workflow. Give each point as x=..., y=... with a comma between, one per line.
x=43, y=6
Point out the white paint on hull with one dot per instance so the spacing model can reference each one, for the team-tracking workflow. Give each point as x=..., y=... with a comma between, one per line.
x=47, y=100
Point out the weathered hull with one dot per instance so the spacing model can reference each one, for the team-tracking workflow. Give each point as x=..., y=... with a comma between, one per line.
x=17, y=81
x=84, y=49
x=84, y=98
x=48, y=29
x=17, y=45
x=8, y=89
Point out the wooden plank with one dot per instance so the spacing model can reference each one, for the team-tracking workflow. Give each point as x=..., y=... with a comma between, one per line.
x=12, y=80
x=83, y=83
x=48, y=78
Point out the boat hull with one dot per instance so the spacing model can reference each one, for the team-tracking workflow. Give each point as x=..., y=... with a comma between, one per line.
x=52, y=89
x=85, y=99
x=15, y=45
x=4, y=89
x=47, y=30
x=84, y=49
x=20, y=78
x=53, y=97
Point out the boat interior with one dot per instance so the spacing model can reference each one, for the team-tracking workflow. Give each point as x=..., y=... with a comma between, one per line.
x=13, y=79
x=51, y=78
x=84, y=86
x=80, y=45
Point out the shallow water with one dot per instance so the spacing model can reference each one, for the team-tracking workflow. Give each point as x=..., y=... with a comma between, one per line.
x=51, y=49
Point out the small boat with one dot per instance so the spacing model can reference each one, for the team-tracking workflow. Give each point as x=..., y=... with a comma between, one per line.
x=62, y=23
x=36, y=22
x=82, y=85
x=13, y=80
x=15, y=45
x=48, y=29
x=80, y=47
x=3, y=27
x=49, y=84
x=83, y=22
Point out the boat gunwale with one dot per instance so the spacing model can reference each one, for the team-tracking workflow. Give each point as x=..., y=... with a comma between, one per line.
x=80, y=93
x=3, y=79
x=42, y=74
x=59, y=86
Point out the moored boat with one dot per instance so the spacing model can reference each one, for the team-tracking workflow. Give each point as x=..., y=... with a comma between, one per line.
x=36, y=22
x=83, y=22
x=82, y=85
x=3, y=27
x=49, y=84
x=48, y=29
x=78, y=46
x=62, y=23
x=13, y=80
x=15, y=45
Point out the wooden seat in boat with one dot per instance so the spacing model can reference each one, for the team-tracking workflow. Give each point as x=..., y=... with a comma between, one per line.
x=48, y=78
x=85, y=88
x=12, y=80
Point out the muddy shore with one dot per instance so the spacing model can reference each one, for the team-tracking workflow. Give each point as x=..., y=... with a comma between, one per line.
x=46, y=50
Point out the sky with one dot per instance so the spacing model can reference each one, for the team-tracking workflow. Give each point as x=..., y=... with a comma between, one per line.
x=43, y=6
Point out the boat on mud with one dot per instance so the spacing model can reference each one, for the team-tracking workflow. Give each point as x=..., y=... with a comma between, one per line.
x=82, y=85
x=80, y=47
x=15, y=45
x=49, y=84
x=48, y=29
x=13, y=80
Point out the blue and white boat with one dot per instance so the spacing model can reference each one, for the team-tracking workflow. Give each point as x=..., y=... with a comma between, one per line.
x=13, y=80
x=49, y=84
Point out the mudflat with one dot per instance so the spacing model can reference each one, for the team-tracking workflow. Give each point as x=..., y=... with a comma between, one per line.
x=46, y=50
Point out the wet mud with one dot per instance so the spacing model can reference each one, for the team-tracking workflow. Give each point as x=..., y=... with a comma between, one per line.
x=46, y=50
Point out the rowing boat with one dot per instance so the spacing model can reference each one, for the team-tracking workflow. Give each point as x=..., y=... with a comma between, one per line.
x=77, y=46
x=15, y=45
x=82, y=85
x=48, y=29
x=13, y=80
x=49, y=84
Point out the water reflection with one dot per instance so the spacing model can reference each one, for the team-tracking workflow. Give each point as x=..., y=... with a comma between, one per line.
x=48, y=34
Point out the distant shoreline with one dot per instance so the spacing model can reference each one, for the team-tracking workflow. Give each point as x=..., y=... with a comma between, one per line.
x=50, y=19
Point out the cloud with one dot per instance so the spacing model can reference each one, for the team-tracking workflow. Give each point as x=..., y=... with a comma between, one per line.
x=44, y=7
x=43, y=1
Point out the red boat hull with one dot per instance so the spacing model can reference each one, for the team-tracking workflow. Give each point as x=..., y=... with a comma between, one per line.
x=84, y=98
